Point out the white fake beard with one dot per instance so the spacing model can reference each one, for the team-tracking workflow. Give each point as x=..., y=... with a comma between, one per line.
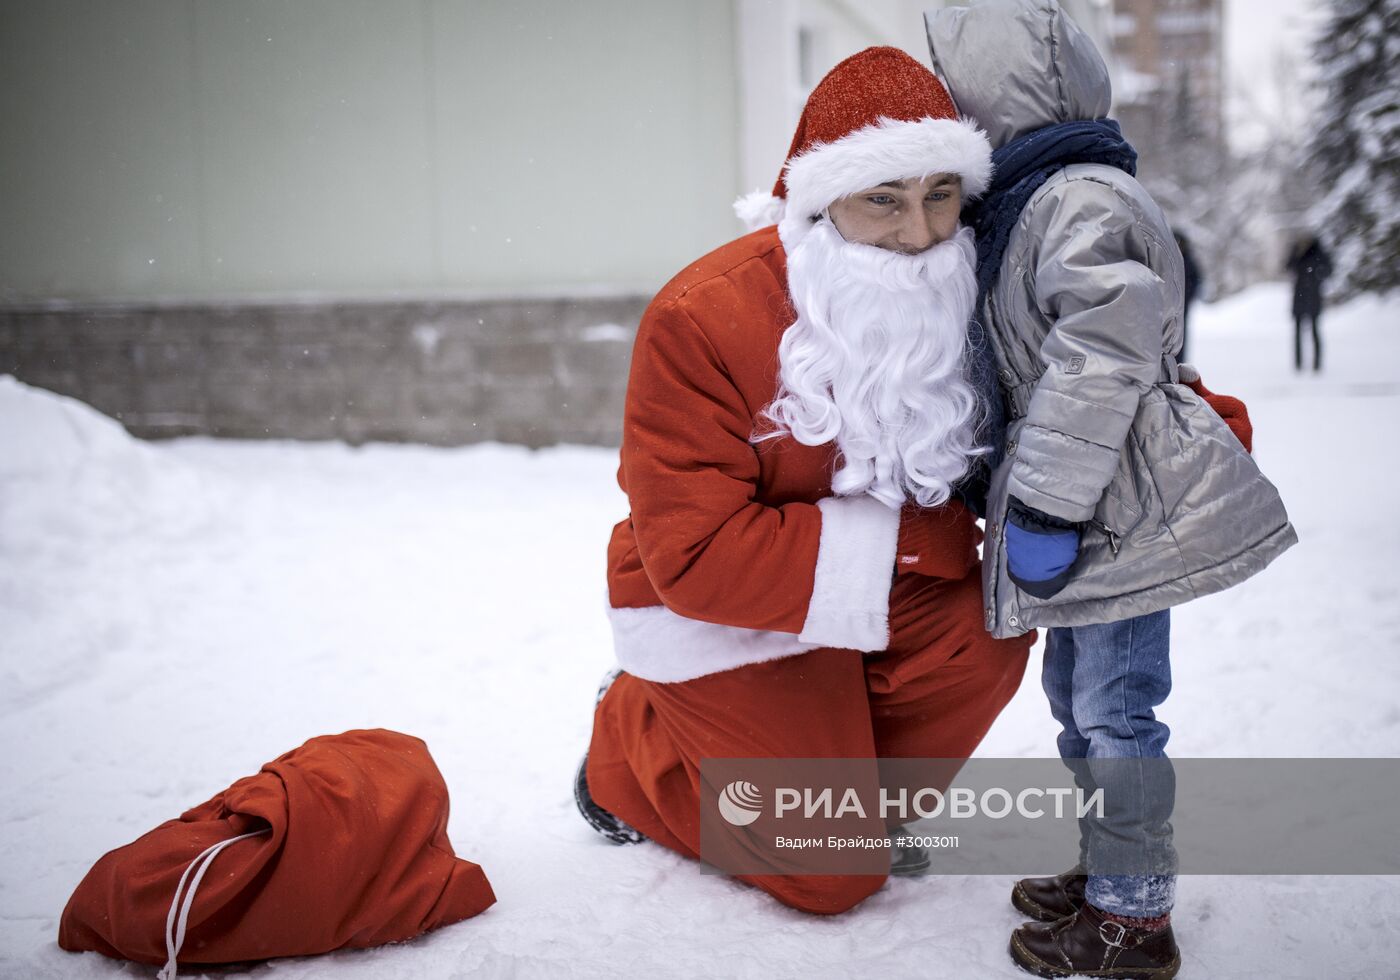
x=875, y=362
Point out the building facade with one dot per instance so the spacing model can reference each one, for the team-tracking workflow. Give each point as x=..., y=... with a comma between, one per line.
x=431, y=220
x=1171, y=72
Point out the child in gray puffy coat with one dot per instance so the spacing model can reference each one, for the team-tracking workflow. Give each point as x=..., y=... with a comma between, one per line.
x=1116, y=491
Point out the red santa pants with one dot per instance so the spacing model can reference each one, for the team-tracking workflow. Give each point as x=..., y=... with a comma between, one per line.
x=932, y=694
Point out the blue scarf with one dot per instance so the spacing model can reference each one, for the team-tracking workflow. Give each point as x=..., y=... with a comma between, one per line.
x=1019, y=168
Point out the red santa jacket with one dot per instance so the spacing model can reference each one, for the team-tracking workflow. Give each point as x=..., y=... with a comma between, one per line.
x=736, y=553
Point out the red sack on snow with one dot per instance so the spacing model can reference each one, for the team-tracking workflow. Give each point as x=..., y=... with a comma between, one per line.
x=341, y=843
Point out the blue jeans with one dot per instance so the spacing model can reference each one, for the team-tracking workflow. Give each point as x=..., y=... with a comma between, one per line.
x=1103, y=682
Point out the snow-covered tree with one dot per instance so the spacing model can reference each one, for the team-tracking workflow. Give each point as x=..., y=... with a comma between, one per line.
x=1355, y=145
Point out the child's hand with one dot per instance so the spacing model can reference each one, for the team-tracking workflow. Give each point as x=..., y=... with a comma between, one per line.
x=1040, y=550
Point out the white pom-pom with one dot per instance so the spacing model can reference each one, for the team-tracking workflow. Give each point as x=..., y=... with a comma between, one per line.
x=759, y=209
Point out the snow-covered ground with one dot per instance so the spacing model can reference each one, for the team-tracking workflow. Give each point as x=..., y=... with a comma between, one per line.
x=173, y=615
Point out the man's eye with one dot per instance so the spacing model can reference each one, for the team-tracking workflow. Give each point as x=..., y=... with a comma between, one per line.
x=880, y=200
x=939, y=196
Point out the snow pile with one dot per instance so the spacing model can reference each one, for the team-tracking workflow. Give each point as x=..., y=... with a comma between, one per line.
x=62, y=461
x=45, y=434
x=457, y=595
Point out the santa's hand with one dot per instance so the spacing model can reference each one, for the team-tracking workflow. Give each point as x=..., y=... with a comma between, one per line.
x=939, y=542
x=1040, y=550
x=1231, y=410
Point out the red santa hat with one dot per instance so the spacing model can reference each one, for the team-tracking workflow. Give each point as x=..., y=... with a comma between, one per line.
x=877, y=116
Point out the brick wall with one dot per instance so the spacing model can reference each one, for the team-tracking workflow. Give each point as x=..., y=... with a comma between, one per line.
x=536, y=372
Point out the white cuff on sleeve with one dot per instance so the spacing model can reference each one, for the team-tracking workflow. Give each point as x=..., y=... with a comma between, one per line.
x=850, y=606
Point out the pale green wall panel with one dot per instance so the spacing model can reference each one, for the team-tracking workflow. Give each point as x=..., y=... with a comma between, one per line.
x=98, y=191
x=608, y=155
x=314, y=145
x=221, y=149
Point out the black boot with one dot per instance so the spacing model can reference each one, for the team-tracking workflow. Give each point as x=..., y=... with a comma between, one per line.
x=615, y=830
x=1048, y=899
x=1086, y=943
x=599, y=819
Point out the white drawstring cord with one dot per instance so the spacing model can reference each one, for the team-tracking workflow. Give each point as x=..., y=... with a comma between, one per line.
x=175, y=932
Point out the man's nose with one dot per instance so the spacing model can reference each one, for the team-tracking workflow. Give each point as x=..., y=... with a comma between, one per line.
x=917, y=232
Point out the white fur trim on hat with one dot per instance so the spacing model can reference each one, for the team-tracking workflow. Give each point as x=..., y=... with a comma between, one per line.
x=891, y=149
x=759, y=209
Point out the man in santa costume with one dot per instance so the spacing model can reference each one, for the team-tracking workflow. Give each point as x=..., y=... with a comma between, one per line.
x=794, y=580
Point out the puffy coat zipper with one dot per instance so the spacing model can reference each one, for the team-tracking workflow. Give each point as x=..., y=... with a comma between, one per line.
x=1114, y=541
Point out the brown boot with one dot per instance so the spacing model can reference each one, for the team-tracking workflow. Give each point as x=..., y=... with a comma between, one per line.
x=1048, y=899
x=1085, y=944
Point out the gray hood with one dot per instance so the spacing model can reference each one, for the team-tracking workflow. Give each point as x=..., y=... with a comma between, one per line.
x=1017, y=65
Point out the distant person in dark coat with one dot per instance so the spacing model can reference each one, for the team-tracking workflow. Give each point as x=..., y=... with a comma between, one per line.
x=1310, y=265
x=1191, y=280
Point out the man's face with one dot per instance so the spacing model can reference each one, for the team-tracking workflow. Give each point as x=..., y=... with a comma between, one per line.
x=908, y=216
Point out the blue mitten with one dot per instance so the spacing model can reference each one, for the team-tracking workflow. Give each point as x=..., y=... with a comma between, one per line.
x=1040, y=549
